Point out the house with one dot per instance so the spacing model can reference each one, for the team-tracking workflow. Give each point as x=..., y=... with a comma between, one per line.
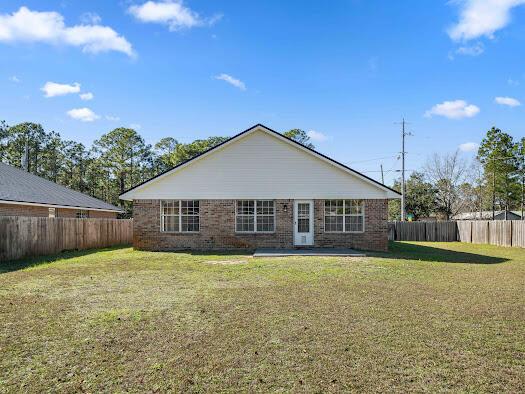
x=25, y=194
x=260, y=189
x=487, y=215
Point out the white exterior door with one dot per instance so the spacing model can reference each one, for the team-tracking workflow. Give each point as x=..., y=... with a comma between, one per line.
x=303, y=233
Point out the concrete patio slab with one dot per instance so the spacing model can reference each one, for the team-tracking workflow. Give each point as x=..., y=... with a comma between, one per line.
x=270, y=252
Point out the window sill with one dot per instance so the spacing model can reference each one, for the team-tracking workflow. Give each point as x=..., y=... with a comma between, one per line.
x=254, y=232
x=180, y=232
x=344, y=232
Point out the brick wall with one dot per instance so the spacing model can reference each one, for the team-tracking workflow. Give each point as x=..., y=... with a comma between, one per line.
x=72, y=213
x=33, y=210
x=217, y=222
x=375, y=236
x=23, y=210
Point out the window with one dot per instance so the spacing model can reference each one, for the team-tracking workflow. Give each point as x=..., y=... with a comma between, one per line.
x=82, y=214
x=179, y=216
x=255, y=216
x=344, y=216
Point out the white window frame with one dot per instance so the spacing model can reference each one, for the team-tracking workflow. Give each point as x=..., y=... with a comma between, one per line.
x=344, y=215
x=179, y=216
x=255, y=217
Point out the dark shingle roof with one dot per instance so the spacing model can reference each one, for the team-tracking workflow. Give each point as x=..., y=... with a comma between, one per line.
x=21, y=186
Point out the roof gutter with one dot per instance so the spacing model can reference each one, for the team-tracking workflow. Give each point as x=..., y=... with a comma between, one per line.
x=36, y=204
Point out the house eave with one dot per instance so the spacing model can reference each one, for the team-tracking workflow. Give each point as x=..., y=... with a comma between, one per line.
x=39, y=204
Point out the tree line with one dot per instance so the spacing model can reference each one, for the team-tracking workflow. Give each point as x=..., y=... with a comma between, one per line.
x=117, y=161
x=448, y=184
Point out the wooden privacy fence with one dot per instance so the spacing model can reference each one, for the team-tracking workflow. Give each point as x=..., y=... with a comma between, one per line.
x=32, y=236
x=494, y=232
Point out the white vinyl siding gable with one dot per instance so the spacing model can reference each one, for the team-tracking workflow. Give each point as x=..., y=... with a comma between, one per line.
x=259, y=166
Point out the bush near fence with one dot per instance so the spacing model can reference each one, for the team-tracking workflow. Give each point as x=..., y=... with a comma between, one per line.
x=34, y=236
x=494, y=232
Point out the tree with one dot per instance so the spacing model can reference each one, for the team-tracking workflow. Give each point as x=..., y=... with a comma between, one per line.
x=122, y=151
x=3, y=138
x=164, y=150
x=419, y=199
x=498, y=155
x=185, y=152
x=16, y=138
x=447, y=174
x=299, y=136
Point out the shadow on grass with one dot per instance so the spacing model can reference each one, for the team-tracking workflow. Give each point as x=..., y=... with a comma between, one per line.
x=16, y=265
x=413, y=251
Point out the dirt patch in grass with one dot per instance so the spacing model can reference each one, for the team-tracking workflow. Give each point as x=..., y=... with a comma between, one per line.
x=123, y=320
x=225, y=262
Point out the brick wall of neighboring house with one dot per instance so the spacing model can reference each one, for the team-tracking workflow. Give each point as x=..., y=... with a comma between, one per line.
x=36, y=211
x=23, y=210
x=92, y=214
x=217, y=228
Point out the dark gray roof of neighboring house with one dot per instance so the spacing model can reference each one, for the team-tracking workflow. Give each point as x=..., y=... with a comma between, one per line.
x=20, y=186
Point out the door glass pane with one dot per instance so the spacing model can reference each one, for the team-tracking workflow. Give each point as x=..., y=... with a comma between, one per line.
x=303, y=225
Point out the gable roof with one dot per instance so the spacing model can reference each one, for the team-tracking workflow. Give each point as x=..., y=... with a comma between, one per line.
x=19, y=186
x=392, y=193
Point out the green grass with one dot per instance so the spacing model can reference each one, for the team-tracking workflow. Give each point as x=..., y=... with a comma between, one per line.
x=425, y=317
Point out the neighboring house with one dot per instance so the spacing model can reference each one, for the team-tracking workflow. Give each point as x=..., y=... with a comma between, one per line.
x=487, y=215
x=25, y=194
x=260, y=189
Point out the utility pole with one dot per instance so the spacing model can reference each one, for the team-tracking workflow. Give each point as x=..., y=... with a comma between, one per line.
x=383, y=180
x=403, y=153
x=493, y=192
x=522, y=185
x=25, y=157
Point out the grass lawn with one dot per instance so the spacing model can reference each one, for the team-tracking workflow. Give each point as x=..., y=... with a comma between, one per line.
x=427, y=316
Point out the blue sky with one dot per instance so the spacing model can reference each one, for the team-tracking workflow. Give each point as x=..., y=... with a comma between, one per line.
x=344, y=71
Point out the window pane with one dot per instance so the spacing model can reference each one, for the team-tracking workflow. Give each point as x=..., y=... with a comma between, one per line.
x=354, y=207
x=190, y=207
x=265, y=223
x=333, y=207
x=333, y=223
x=245, y=207
x=354, y=223
x=265, y=207
x=190, y=223
x=171, y=223
x=245, y=223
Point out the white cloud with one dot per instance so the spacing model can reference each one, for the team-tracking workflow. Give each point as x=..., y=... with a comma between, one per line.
x=469, y=147
x=456, y=109
x=112, y=118
x=135, y=126
x=508, y=101
x=52, y=89
x=471, y=50
x=171, y=13
x=25, y=25
x=14, y=79
x=231, y=80
x=90, y=18
x=513, y=82
x=482, y=18
x=83, y=114
x=86, y=96
x=317, y=136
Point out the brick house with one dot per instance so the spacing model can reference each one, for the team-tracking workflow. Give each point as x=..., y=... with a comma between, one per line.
x=260, y=189
x=25, y=194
